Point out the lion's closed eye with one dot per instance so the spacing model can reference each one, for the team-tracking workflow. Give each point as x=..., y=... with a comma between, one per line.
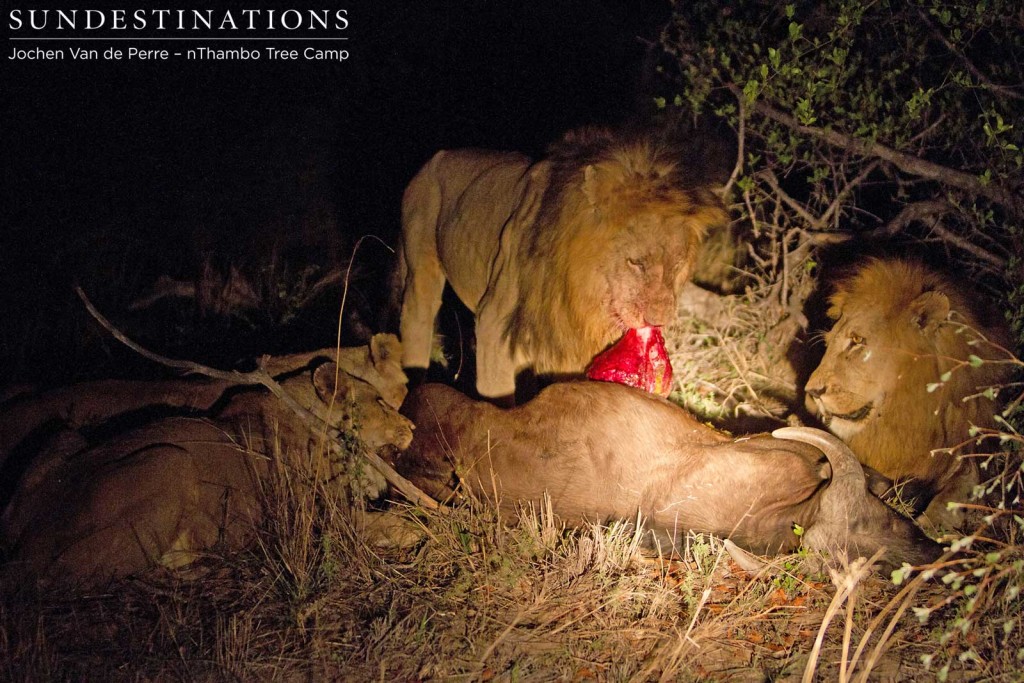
x=637, y=264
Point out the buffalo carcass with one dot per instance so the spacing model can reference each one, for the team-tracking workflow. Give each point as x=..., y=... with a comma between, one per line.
x=604, y=451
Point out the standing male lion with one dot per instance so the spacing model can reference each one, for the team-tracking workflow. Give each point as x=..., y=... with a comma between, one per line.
x=556, y=258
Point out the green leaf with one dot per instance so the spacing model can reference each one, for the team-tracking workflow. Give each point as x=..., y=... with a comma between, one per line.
x=751, y=89
x=902, y=574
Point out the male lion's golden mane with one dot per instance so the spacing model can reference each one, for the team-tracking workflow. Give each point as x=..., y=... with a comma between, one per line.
x=921, y=415
x=599, y=180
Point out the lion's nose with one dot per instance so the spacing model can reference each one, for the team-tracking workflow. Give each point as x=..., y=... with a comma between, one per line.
x=815, y=392
x=654, y=320
x=659, y=314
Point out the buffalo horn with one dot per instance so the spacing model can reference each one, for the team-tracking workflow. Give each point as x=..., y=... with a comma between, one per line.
x=845, y=466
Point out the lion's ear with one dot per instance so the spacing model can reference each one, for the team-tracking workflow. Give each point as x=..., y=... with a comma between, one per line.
x=600, y=185
x=326, y=385
x=928, y=310
x=324, y=381
x=835, y=305
x=383, y=347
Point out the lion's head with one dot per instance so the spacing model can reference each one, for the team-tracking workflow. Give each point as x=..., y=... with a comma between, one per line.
x=896, y=376
x=616, y=238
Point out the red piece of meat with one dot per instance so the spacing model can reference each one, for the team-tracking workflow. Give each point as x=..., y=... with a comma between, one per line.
x=638, y=360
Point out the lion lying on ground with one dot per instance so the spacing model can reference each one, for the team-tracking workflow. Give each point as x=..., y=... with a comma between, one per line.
x=604, y=452
x=25, y=417
x=883, y=386
x=555, y=258
x=164, y=492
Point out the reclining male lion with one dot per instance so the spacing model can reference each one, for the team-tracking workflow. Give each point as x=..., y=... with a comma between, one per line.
x=605, y=451
x=164, y=492
x=555, y=258
x=882, y=386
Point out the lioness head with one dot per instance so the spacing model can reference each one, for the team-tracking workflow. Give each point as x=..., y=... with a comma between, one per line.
x=381, y=367
x=362, y=408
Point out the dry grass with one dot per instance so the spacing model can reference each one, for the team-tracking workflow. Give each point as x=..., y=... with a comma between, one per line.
x=730, y=355
x=476, y=600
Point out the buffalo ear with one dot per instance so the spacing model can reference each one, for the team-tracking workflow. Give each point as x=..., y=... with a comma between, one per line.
x=928, y=310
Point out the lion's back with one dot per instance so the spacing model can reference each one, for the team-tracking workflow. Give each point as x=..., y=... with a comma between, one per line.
x=483, y=191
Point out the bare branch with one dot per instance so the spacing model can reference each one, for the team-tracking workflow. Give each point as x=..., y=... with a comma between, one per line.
x=773, y=182
x=999, y=90
x=947, y=235
x=913, y=213
x=904, y=162
x=262, y=377
x=740, y=135
x=930, y=213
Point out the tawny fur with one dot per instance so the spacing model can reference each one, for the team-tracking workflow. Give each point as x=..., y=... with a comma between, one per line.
x=164, y=492
x=555, y=258
x=899, y=327
x=90, y=404
x=603, y=452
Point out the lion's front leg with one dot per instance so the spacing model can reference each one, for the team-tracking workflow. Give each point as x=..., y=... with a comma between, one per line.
x=421, y=300
x=496, y=367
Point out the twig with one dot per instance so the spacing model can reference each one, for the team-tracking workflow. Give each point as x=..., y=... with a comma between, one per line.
x=999, y=90
x=907, y=163
x=740, y=135
x=348, y=275
x=773, y=182
x=846, y=585
x=262, y=377
x=833, y=208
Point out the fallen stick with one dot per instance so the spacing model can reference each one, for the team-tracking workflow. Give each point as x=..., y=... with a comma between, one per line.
x=262, y=377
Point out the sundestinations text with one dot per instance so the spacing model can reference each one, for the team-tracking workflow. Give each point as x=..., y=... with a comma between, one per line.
x=178, y=20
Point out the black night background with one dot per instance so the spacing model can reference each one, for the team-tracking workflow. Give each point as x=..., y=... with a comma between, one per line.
x=118, y=172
